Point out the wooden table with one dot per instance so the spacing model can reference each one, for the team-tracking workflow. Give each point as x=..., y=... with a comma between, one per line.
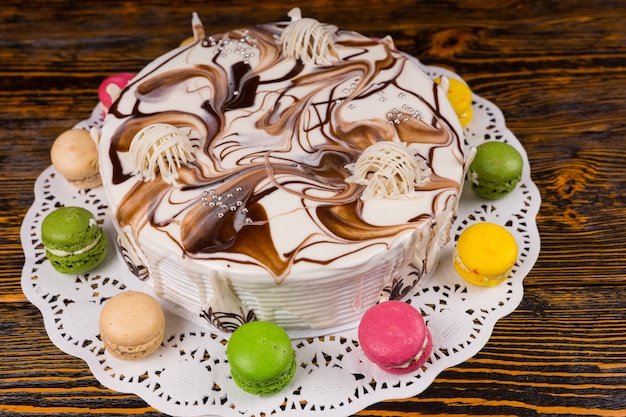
x=557, y=70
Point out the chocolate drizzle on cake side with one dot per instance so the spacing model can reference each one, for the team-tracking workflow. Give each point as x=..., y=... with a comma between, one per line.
x=227, y=322
x=136, y=267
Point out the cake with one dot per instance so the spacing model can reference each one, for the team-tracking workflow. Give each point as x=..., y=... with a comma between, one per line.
x=292, y=172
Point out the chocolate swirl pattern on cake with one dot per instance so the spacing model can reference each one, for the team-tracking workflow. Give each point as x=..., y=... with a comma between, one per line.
x=273, y=137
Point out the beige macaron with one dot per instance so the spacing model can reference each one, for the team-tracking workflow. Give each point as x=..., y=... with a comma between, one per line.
x=132, y=325
x=75, y=155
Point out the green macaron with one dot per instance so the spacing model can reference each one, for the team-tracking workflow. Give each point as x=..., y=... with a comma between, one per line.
x=261, y=357
x=496, y=170
x=73, y=240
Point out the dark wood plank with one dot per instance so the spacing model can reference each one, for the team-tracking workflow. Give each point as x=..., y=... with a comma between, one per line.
x=557, y=70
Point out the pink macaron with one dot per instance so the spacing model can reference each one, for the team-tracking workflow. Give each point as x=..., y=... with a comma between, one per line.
x=109, y=88
x=394, y=336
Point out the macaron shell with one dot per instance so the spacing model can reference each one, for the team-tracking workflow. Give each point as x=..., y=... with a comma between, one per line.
x=268, y=388
x=460, y=96
x=417, y=363
x=75, y=155
x=261, y=358
x=496, y=170
x=132, y=325
x=187, y=41
x=69, y=229
x=120, y=80
x=485, y=254
x=391, y=334
x=466, y=117
x=497, y=161
x=493, y=190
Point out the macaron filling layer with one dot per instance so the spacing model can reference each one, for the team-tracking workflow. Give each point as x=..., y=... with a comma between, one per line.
x=492, y=189
x=475, y=277
x=61, y=253
x=94, y=180
x=79, y=263
x=131, y=352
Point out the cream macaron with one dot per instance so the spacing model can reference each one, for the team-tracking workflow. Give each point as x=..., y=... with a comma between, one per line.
x=132, y=325
x=75, y=155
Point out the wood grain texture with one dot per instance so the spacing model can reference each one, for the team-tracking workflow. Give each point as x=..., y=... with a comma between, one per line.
x=557, y=70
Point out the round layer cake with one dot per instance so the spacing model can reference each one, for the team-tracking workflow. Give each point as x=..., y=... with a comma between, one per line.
x=293, y=172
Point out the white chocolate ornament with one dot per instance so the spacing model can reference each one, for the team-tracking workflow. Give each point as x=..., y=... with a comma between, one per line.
x=307, y=40
x=388, y=170
x=162, y=148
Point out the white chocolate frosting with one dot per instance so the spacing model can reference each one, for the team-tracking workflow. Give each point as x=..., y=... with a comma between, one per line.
x=265, y=204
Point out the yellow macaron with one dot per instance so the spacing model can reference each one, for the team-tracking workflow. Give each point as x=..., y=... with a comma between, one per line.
x=132, y=325
x=460, y=96
x=485, y=254
x=187, y=41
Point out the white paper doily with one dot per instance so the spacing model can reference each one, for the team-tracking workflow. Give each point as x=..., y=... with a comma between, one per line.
x=189, y=375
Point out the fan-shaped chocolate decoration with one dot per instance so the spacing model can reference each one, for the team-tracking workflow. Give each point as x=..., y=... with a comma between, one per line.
x=160, y=148
x=388, y=170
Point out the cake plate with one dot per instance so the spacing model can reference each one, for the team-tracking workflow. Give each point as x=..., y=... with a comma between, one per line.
x=189, y=374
